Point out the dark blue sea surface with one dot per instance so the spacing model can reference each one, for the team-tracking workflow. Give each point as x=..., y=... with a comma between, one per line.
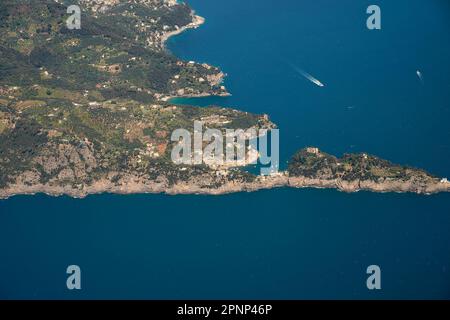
x=282, y=243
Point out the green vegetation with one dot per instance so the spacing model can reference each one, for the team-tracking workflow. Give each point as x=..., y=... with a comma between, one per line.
x=116, y=52
x=77, y=105
x=312, y=163
x=92, y=140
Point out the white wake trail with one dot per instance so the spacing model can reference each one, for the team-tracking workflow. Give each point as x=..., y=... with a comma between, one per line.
x=419, y=74
x=308, y=76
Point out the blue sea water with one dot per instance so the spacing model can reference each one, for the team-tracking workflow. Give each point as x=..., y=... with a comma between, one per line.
x=281, y=243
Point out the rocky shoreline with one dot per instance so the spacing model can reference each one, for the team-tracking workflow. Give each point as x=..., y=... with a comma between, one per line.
x=371, y=186
x=137, y=185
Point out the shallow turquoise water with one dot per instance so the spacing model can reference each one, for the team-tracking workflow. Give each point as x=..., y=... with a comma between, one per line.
x=279, y=243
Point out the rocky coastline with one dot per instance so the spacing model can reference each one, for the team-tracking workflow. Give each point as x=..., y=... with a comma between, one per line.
x=131, y=184
x=69, y=141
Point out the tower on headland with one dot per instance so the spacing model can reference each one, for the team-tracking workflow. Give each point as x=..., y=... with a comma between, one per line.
x=313, y=150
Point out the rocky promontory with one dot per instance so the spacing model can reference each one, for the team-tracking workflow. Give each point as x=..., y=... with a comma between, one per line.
x=311, y=167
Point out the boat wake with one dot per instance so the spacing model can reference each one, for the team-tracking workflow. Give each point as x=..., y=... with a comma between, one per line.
x=420, y=76
x=308, y=76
